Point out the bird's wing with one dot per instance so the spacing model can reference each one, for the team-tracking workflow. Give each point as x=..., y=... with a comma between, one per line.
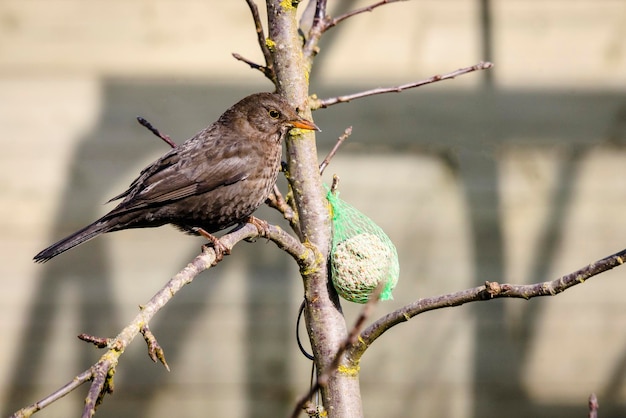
x=166, y=161
x=177, y=175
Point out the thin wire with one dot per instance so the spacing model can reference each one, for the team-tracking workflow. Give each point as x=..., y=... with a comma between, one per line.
x=300, y=346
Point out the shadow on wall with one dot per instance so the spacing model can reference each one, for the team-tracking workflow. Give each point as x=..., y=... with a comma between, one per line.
x=464, y=129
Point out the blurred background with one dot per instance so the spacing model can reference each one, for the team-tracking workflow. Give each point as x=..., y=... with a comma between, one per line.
x=516, y=174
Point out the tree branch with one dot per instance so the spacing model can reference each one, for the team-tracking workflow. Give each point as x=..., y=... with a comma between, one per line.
x=102, y=372
x=319, y=103
x=325, y=323
x=491, y=290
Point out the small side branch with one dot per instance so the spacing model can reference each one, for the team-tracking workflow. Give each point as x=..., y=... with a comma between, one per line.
x=102, y=384
x=333, y=151
x=265, y=70
x=277, y=201
x=322, y=22
x=333, y=22
x=491, y=290
x=324, y=103
x=268, y=70
x=317, y=29
x=166, y=138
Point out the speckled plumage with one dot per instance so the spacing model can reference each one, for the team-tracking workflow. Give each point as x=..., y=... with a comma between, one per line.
x=213, y=180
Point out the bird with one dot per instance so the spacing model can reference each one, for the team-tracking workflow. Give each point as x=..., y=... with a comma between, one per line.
x=214, y=180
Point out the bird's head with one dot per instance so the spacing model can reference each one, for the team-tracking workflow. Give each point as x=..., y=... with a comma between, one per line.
x=270, y=113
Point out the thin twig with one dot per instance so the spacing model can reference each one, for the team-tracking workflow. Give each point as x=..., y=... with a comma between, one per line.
x=102, y=374
x=267, y=54
x=266, y=72
x=54, y=396
x=319, y=103
x=333, y=151
x=317, y=29
x=143, y=122
x=278, y=202
x=491, y=290
x=333, y=22
x=349, y=342
x=322, y=22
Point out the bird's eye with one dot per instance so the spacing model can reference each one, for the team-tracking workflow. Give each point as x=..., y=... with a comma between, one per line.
x=274, y=114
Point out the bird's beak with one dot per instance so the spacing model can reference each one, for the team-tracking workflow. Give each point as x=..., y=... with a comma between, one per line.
x=304, y=124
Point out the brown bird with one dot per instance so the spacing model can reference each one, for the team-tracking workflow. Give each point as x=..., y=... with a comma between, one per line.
x=214, y=180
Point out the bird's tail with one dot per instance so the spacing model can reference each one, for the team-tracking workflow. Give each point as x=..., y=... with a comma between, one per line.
x=77, y=238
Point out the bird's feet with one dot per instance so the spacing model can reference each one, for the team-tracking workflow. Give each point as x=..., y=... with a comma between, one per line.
x=220, y=249
x=262, y=226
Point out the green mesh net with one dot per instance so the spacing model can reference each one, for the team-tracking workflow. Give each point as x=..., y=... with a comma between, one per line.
x=362, y=255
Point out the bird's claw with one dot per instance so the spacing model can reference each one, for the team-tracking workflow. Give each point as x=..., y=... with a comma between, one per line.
x=220, y=249
x=263, y=227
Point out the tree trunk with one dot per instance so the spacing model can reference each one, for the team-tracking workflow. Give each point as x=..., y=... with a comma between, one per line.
x=325, y=322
